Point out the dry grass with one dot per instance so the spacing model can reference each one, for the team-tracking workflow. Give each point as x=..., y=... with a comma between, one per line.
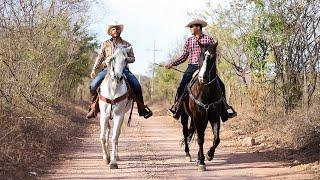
x=293, y=138
x=28, y=141
x=296, y=130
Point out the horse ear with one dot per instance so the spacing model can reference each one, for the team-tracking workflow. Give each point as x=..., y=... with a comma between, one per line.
x=201, y=45
x=215, y=45
x=128, y=49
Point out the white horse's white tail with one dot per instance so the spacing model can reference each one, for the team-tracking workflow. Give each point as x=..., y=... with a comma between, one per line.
x=113, y=103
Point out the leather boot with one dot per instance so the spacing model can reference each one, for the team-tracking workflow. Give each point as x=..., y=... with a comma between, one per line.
x=176, y=107
x=225, y=114
x=144, y=110
x=94, y=107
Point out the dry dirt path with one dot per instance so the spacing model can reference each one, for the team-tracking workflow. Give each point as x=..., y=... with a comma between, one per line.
x=150, y=149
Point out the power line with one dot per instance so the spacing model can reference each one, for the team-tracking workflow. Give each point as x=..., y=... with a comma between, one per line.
x=153, y=63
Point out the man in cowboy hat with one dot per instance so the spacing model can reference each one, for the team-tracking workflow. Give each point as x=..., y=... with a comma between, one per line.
x=192, y=50
x=108, y=47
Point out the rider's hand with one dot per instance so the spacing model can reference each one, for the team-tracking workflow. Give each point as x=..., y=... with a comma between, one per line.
x=108, y=59
x=93, y=74
x=168, y=66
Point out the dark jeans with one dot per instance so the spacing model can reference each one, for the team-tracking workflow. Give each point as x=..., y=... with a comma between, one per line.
x=222, y=86
x=187, y=76
x=133, y=81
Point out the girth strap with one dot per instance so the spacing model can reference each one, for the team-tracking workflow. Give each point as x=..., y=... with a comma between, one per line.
x=205, y=106
x=114, y=101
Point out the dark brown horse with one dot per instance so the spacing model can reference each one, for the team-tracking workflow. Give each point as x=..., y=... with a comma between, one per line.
x=203, y=102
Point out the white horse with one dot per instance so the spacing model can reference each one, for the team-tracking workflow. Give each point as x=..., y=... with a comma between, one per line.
x=113, y=104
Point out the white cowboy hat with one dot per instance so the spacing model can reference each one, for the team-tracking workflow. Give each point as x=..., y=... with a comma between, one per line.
x=115, y=24
x=197, y=21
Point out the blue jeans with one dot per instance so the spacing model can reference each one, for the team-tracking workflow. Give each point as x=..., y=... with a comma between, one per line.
x=133, y=81
x=187, y=76
x=95, y=83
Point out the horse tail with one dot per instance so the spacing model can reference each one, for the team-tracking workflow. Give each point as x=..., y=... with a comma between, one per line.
x=191, y=134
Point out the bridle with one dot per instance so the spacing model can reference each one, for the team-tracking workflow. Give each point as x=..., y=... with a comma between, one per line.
x=114, y=78
x=207, y=54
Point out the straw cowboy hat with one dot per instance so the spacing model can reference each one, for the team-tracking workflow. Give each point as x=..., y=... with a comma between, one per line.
x=197, y=21
x=115, y=24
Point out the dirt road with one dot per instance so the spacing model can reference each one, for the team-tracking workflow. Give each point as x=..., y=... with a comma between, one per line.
x=150, y=149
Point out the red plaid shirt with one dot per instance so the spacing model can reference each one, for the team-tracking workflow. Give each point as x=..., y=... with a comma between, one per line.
x=193, y=49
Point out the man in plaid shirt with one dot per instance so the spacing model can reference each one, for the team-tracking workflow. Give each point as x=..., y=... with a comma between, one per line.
x=192, y=50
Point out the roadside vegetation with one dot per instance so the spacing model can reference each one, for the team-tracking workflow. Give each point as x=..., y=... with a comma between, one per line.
x=45, y=55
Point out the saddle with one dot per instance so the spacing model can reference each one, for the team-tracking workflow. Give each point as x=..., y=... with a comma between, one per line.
x=184, y=94
x=95, y=103
x=195, y=74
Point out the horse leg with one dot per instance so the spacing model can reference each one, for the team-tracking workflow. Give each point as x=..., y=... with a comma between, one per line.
x=200, y=128
x=215, y=124
x=107, y=138
x=184, y=122
x=104, y=130
x=117, y=120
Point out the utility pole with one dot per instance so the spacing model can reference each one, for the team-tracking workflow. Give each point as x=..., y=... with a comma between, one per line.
x=153, y=61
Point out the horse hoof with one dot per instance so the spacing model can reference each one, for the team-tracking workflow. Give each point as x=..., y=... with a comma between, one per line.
x=208, y=157
x=188, y=158
x=107, y=160
x=201, y=167
x=113, y=166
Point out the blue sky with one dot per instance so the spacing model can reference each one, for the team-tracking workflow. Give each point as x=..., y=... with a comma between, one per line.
x=146, y=21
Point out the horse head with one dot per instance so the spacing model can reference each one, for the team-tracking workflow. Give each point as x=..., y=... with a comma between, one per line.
x=207, y=63
x=118, y=62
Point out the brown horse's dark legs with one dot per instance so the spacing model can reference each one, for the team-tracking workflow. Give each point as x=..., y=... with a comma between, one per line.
x=184, y=122
x=200, y=128
x=200, y=143
x=216, y=140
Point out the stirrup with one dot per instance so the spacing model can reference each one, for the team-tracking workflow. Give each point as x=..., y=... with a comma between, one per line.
x=174, y=113
x=233, y=113
x=148, y=112
x=172, y=110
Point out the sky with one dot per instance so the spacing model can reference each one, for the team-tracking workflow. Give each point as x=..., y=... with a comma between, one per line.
x=146, y=22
